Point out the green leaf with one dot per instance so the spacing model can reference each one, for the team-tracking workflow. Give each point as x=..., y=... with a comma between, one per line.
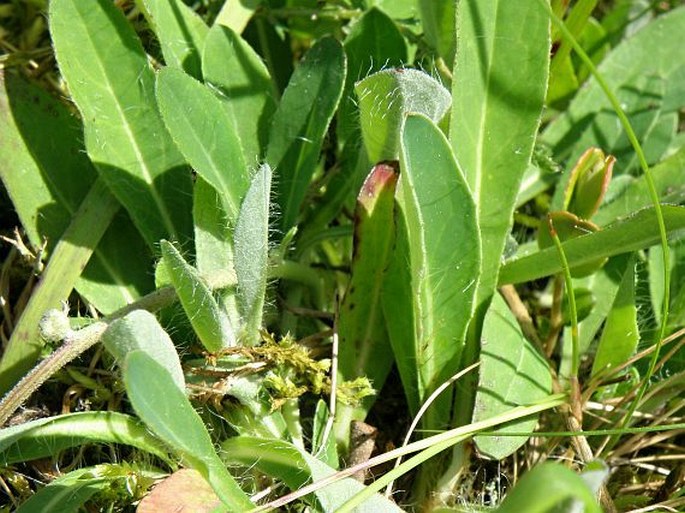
x=364, y=346
x=168, y=413
x=234, y=69
x=44, y=438
x=236, y=13
x=296, y=468
x=47, y=175
x=443, y=254
x=498, y=90
x=324, y=449
x=252, y=253
x=397, y=9
x=300, y=123
x=373, y=43
x=635, y=232
x=646, y=73
x=214, y=243
x=209, y=321
x=512, y=373
x=603, y=286
x=181, y=33
x=437, y=21
x=57, y=281
x=545, y=486
x=669, y=183
x=112, y=83
x=621, y=334
x=567, y=226
x=140, y=330
x=205, y=134
x=68, y=493
x=386, y=97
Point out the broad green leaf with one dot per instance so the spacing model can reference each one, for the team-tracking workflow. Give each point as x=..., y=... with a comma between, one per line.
x=386, y=97
x=140, y=330
x=119, y=270
x=512, y=373
x=45, y=170
x=112, y=83
x=234, y=69
x=69, y=257
x=252, y=253
x=443, y=256
x=209, y=321
x=364, y=346
x=603, y=285
x=300, y=124
x=373, y=43
x=236, y=13
x=669, y=180
x=545, y=486
x=205, y=134
x=625, y=18
x=642, y=102
x=397, y=9
x=563, y=82
x=181, y=33
x=620, y=335
x=437, y=21
x=646, y=72
x=168, y=413
x=498, y=90
x=656, y=141
x=638, y=231
x=68, y=493
x=47, y=176
x=44, y=438
x=296, y=468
